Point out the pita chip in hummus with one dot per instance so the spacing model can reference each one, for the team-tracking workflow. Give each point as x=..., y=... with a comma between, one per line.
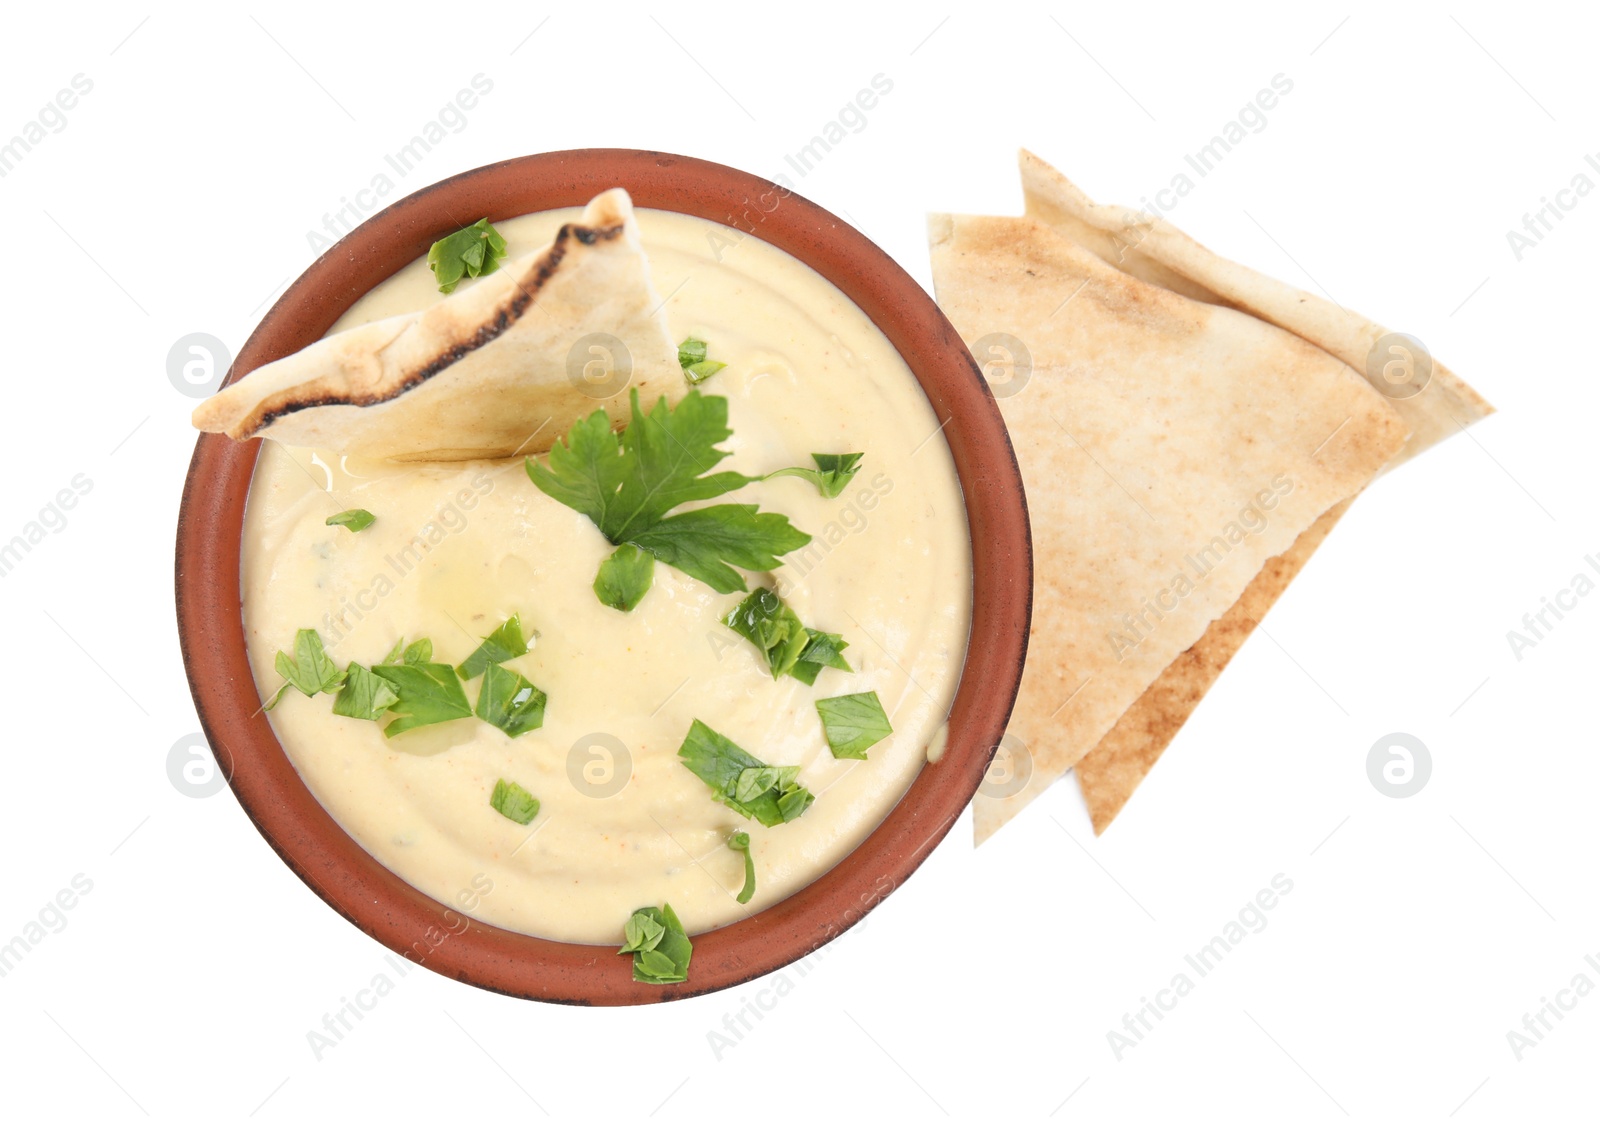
x=481, y=373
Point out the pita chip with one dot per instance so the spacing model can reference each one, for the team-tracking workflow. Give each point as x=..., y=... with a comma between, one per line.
x=1169, y=448
x=1109, y=774
x=1432, y=400
x=549, y=337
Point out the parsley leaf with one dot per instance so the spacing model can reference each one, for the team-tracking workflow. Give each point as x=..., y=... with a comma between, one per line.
x=766, y=622
x=742, y=782
x=356, y=519
x=823, y=650
x=791, y=649
x=365, y=695
x=831, y=475
x=660, y=947
x=696, y=366
x=853, y=723
x=504, y=643
x=474, y=251
x=625, y=578
x=514, y=802
x=309, y=669
x=510, y=702
x=662, y=460
x=417, y=652
x=739, y=842
x=426, y=692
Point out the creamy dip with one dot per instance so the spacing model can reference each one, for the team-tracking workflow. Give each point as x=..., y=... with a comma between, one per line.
x=457, y=549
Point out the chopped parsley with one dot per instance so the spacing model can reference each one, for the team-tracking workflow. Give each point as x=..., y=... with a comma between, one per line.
x=514, y=802
x=425, y=692
x=473, y=251
x=739, y=842
x=660, y=947
x=504, y=643
x=309, y=669
x=507, y=700
x=410, y=686
x=742, y=782
x=790, y=648
x=831, y=475
x=355, y=519
x=625, y=578
x=662, y=460
x=365, y=694
x=853, y=723
x=696, y=366
x=823, y=650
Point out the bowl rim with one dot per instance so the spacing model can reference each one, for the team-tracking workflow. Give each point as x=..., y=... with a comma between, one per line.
x=428, y=932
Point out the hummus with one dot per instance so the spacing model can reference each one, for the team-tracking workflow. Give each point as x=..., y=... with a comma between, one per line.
x=457, y=549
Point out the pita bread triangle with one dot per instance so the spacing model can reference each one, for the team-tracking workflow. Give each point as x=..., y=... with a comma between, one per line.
x=1169, y=448
x=1158, y=253
x=548, y=337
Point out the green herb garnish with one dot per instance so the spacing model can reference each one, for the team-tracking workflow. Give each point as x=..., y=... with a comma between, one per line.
x=504, y=643
x=418, y=651
x=739, y=842
x=790, y=648
x=831, y=475
x=625, y=578
x=309, y=669
x=696, y=366
x=473, y=251
x=660, y=947
x=766, y=622
x=365, y=695
x=742, y=782
x=662, y=460
x=823, y=650
x=510, y=702
x=425, y=692
x=853, y=723
x=356, y=519
x=514, y=802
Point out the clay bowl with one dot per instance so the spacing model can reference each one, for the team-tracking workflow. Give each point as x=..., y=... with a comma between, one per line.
x=381, y=904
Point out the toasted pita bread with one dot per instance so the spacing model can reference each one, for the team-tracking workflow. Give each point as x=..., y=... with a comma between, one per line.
x=1169, y=449
x=1151, y=249
x=482, y=372
x=1158, y=253
x=1109, y=774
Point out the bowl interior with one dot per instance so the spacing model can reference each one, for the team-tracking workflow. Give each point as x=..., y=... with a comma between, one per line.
x=425, y=931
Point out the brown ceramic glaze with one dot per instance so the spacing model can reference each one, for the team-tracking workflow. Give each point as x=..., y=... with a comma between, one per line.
x=428, y=932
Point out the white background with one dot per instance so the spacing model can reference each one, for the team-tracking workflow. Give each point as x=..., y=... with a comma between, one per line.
x=1418, y=932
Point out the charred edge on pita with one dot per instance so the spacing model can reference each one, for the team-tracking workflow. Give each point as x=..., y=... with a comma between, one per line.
x=502, y=321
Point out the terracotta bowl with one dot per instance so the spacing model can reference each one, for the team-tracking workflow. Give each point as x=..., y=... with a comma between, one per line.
x=425, y=931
